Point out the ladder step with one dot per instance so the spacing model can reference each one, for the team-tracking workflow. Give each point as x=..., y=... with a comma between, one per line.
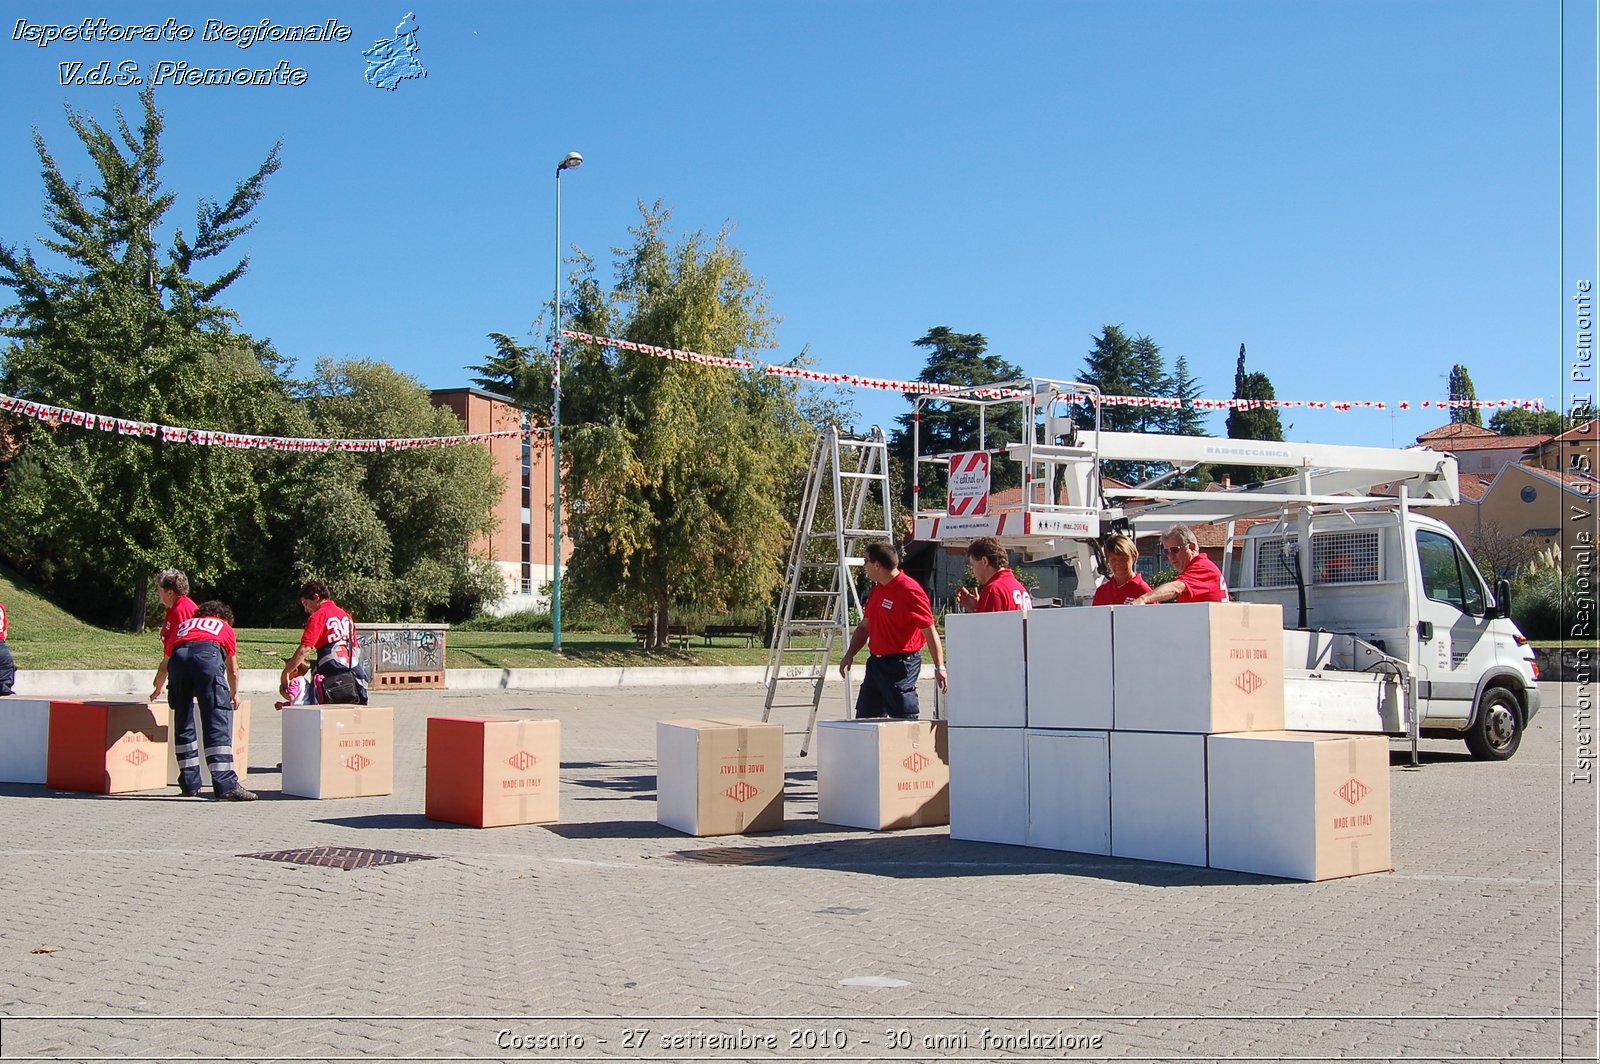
x=864, y=476
x=861, y=533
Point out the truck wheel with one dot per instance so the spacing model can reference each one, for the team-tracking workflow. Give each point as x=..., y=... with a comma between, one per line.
x=1497, y=732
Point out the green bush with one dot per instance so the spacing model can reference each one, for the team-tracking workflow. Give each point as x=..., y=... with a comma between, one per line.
x=1544, y=602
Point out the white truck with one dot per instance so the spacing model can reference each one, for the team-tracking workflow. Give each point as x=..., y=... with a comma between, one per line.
x=1389, y=627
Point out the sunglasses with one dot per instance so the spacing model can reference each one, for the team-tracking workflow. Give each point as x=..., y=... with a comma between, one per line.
x=1174, y=550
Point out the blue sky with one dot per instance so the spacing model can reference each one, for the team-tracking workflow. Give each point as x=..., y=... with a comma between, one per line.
x=1362, y=193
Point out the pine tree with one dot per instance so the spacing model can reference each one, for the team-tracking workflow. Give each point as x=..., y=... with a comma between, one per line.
x=959, y=359
x=111, y=323
x=1120, y=365
x=1186, y=388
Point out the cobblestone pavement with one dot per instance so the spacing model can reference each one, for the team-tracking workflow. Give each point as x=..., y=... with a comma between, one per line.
x=603, y=937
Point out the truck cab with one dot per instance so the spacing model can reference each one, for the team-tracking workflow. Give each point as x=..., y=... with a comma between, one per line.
x=1403, y=584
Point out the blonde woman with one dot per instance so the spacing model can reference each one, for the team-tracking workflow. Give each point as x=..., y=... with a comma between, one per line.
x=1125, y=585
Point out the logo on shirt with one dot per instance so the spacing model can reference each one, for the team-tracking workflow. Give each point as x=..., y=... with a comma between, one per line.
x=888, y=603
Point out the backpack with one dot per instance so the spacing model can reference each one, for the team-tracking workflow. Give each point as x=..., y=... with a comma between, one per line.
x=339, y=684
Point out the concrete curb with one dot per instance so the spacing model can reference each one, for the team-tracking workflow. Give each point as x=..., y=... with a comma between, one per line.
x=98, y=683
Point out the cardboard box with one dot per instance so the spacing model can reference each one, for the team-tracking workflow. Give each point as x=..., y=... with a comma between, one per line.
x=1069, y=790
x=1070, y=668
x=106, y=747
x=883, y=774
x=1201, y=667
x=1158, y=795
x=24, y=740
x=719, y=777
x=988, y=670
x=1300, y=805
x=490, y=772
x=989, y=785
x=338, y=751
x=241, y=743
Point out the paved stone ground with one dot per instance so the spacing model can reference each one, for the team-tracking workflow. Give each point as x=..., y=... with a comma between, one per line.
x=596, y=939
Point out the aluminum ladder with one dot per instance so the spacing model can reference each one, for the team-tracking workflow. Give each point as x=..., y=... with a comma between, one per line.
x=845, y=506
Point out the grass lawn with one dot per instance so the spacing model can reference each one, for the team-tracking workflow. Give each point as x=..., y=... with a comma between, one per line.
x=45, y=637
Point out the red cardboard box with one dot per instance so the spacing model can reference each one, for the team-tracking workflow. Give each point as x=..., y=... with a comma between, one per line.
x=490, y=772
x=106, y=747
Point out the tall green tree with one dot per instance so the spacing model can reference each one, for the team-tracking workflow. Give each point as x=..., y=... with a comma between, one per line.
x=392, y=532
x=121, y=317
x=962, y=360
x=1258, y=423
x=1461, y=388
x=678, y=474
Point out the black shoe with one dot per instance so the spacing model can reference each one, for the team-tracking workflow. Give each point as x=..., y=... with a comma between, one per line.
x=238, y=794
x=194, y=794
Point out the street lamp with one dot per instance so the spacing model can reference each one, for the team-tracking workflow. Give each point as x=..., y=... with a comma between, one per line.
x=572, y=161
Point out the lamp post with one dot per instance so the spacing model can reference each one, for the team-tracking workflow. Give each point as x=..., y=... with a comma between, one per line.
x=572, y=161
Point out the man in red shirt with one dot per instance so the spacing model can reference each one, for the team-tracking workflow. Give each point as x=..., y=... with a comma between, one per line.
x=204, y=666
x=172, y=588
x=8, y=666
x=998, y=587
x=1198, y=580
x=330, y=635
x=896, y=623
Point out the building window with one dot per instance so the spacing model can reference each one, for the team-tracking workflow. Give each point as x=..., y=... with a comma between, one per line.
x=1530, y=493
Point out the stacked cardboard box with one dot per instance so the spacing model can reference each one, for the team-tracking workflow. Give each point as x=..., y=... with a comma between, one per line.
x=1108, y=747
x=1183, y=673
x=719, y=777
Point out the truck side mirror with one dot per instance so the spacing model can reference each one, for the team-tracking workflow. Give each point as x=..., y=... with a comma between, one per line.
x=1502, y=599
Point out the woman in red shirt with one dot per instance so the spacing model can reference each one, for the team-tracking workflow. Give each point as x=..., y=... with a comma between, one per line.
x=1125, y=585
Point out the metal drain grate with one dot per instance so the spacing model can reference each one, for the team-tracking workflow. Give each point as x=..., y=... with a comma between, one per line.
x=733, y=855
x=346, y=858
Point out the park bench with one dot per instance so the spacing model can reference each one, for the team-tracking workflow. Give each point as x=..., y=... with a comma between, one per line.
x=676, y=633
x=748, y=632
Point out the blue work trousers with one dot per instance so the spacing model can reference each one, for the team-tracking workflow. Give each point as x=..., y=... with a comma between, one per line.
x=197, y=673
x=889, y=688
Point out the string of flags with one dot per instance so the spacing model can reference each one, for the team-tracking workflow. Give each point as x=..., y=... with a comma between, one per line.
x=927, y=388
x=56, y=415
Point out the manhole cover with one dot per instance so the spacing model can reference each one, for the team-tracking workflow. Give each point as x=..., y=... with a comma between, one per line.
x=346, y=858
x=732, y=855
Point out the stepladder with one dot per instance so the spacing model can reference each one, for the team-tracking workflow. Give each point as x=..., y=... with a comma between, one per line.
x=844, y=506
